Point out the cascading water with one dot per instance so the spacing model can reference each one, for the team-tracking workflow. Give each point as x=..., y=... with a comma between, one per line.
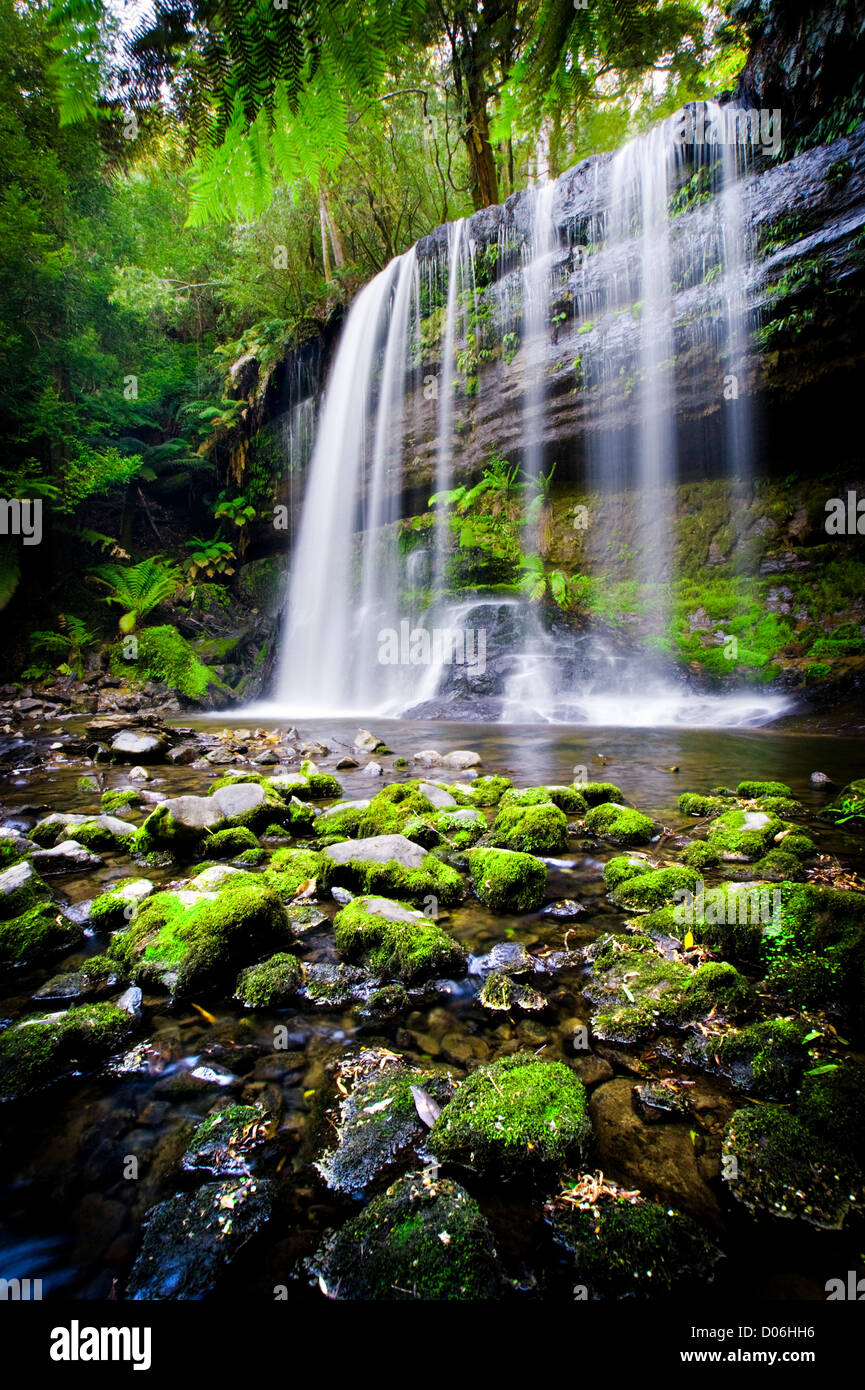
x=350, y=580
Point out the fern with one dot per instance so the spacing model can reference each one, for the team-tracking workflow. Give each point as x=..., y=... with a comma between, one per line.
x=139, y=588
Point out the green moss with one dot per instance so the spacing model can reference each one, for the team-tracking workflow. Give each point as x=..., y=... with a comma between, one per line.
x=291, y=868
x=694, y=805
x=461, y=834
x=28, y=891
x=568, y=799
x=622, y=867
x=743, y=835
x=393, y=1249
x=644, y=892
x=832, y=1104
x=44, y=1048
x=430, y=879
x=221, y=1141
x=718, y=985
x=635, y=989
x=164, y=655
x=183, y=941
x=227, y=844
x=488, y=791
x=113, y=801
x=699, y=855
x=814, y=948
x=766, y=1058
x=321, y=785
x=94, y=836
x=38, y=933
x=507, y=881
x=628, y=1249
x=597, y=792
x=113, y=909
x=335, y=825
x=270, y=983
x=515, y=1113
x=778, y=865
x=389, y=811
x=533, y=829
x=620, y=824
x=410, y=948
x=750, y=790
x=776, y=1165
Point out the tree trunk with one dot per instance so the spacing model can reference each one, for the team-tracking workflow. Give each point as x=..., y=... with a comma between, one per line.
x=325, y=250
x=482, y=160
x=333, y=229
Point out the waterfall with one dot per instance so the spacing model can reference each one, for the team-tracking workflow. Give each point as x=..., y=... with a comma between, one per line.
x=649, y=296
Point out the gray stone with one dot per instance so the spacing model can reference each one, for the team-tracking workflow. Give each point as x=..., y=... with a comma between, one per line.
x=365, y=742
x=69, y=855
x=239, y=798
x=460, y=759
x=379, y=849
x=441, y=799
x=138, y=747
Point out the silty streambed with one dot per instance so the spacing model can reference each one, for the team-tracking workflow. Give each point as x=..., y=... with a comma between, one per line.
x=71, y=1217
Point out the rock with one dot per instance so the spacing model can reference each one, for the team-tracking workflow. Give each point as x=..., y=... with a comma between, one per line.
x=820, y=779
x=266, y=758
x=345, y=764
x=20, y=889
x=374, y=770
x=46, y=1047
x=377, y=1120
x=395, y=941
x=183, y=754
x=139, y=774
x=507, y=881
x=237, y=800
x=130, y=1001
x=211, y=879
x=314, y=750
x=65, y=858
x=190, y=1238
x=509, y=957
x=379, y=849
x=73, y=985
x=775, y=1164
x=626, y=1248
x=502, y=993
x=362, y=1260
x=564, y=910
x=513, y=1114
x=114, y=908
x=183, y=818
x=336, y=986
x=223, y=1142
x=437, y=796
x=341, y=896
x=365, y=742
x=427, y=757
x=532, y=829
x=460, y=759
x=141, y=748
x=620, y=824
x=271, y=983
x=592, y=1069
x=221, y=757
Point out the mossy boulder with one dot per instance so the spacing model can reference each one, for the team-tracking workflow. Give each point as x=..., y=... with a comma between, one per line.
x=378, y=1120
x=831, y=1102
x=185, y=940
x=179, y=824
x=644, y=892
x=626, y=1248
x=814, y=948
x=395, y=941
x=750, y=790
x=393, y=866
x=620, y=824
x=740, y=835
x=224, y=1142
x=389, y=811
x=394, y=1250
x=765, y=1059
x=507, y=881
x=128, y=800
x=597, y=792
x=694, y=805
x=624, y=866
x=290, y=869
x=113, y=910
x=47, y=1047
x=21, y=889
x=94, y=832
x=501, y=993
x=37, y=934
x=539, y=828
x=568, y=798
x=320, y=786
x=514, y=1114
x=776, y=1165
x=487, y=791
x=228, y=844
x=190, y=1237
x=271, y=983
x=461, y=828
x=248, y=805
x=634, y=989
x=341, y=822
x=716, y=987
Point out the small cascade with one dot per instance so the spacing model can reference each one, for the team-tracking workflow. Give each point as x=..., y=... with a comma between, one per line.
x=457, y=268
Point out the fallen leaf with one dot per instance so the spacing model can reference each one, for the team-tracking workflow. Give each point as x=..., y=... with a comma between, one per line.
x=427, y=1109
x=208, y=1018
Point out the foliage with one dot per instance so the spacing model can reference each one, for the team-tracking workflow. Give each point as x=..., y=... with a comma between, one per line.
x=139, y=588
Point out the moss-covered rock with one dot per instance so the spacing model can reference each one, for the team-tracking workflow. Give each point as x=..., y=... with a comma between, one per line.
x=776, y=1165
x=750, y=790
x=228, y=844
x=46, y=1047
x=189, y=1238
x=626, y=1248
x=568, y=798
x=624, y=866
x=620, y=824
x=539, y=828
x=506, y=881
x=21, y=889
x=184, y=940
x=646, y=891
x=394, y=1249
x=389, y=811
x=392, y=866
x=814, y=947
x=765, y=1059
x=501, y=993
x=40, y=932
x=224, y=1142
x=740, y=835
x=487, y=791
x=694, y=805
x=290, y=869
x=320, y=786
x=717, y=987
x=461, y=828
x=597, y=792
x=514, y=1114
x=831, y=1102
x=113, y=910
x=377, y=1120
x=128, y=800
x=271, y=983
x=635, y=989
x=393, y=940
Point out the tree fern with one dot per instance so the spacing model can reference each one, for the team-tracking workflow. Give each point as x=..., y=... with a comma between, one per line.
x=139, y=588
